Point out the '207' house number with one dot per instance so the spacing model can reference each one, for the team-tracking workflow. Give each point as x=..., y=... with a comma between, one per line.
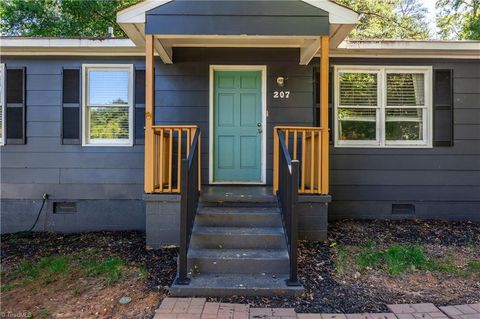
x=281, y=94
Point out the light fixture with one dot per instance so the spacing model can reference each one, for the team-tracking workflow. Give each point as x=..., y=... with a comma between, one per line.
x=281, y=81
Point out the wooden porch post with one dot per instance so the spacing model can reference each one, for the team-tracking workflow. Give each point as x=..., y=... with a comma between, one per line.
x=324, y=70
x=149, y=114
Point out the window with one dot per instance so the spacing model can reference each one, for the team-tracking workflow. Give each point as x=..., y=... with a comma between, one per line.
x=2, y=104
x=383, y=106
x=108, y=105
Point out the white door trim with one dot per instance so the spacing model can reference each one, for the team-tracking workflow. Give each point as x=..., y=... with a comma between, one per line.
x=263, y=157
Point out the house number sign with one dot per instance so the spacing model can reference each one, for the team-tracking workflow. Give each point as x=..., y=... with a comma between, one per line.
x=281, y=94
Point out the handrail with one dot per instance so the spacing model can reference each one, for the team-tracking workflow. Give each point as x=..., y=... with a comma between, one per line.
x=306, y=144
x=188, y=206
x=170, y=144
x=287, y=196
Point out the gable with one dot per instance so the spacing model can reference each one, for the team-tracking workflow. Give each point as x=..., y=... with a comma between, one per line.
x=279, y=18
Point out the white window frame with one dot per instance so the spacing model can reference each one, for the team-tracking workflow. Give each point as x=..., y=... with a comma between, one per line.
x=4, y=103
x=85, y=122
x=382, y=72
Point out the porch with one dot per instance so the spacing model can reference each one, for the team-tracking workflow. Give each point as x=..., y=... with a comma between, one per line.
x=228, y=232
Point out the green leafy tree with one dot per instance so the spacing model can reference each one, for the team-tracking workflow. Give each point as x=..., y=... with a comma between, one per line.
x=389, y=19
x=458, y=19
x=68, y=18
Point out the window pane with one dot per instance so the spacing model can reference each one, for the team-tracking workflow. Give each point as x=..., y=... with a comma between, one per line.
x=107, y=87
x=405, y=89
x=404, y=125
x=358, y=89
x=357, y=124
x=109, y=122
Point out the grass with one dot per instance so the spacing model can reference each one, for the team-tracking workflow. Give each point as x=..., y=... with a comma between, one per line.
x=397, y=259
x=110, y=268
x=58, y=267
x=342, y=259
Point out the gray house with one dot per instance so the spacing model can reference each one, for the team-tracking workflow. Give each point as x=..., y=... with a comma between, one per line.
x=233, y=128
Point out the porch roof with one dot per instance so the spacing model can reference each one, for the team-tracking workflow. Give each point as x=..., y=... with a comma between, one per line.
x=282, y=24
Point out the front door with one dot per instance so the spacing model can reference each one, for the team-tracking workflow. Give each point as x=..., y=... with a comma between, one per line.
x=237, y=127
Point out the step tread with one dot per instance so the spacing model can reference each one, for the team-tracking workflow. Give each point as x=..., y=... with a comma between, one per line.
x=215, y=230
x=238, y=210
x=238, y=254
x=208, y=284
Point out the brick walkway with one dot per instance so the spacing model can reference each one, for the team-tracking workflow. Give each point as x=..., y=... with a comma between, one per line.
x=198, y=308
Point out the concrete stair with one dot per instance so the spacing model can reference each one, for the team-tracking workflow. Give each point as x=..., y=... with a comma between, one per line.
x=238, y=247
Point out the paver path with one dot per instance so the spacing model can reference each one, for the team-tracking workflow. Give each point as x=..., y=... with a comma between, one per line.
x=199, y=308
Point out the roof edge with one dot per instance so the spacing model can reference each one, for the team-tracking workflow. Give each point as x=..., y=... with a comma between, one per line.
x=11, y=46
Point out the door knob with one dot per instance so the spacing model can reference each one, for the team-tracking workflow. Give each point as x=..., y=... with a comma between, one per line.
x=259, y=124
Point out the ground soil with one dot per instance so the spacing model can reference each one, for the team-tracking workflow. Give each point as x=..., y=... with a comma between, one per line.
x=85, y=297
x=326, y=290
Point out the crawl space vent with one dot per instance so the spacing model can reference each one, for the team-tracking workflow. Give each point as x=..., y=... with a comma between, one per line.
x=64, y=207
x=403, y=209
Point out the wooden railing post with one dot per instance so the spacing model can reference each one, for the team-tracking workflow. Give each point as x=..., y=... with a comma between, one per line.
x=149, y=115
x=324, y=69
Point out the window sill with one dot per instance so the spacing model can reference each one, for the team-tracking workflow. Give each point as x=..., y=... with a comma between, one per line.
x=109, y=144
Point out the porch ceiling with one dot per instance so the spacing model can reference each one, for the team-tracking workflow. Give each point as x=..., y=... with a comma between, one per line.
x=262, y=24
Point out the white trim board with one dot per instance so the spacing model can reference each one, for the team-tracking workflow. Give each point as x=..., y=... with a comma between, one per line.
x=86, y=134
x=337, y=14
x=4, y=101
x=263, y=70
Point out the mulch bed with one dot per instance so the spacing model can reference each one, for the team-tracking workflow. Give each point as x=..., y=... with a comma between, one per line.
x=325, y=291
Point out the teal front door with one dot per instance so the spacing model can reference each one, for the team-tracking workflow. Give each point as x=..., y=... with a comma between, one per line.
x=237, y=127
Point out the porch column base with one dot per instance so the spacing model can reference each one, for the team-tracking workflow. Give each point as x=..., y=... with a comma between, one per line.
x=162, y=219
x=313, y=216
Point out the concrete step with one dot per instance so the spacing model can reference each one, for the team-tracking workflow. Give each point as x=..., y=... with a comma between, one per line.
x=237, y=196
x=239, y=217
x=241, y=261
x=238, y=237
x=217, y=285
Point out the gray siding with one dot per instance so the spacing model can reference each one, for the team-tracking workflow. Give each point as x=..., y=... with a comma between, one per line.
x=442, y=182
x=110, y=175
x=105, y=182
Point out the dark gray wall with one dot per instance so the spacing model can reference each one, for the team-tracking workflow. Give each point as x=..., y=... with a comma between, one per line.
x=443, y=182
x=105, y=182
x=110, y=176
x=182, y=90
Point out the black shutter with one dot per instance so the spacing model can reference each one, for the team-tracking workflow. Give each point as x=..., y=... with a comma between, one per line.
x=71, y=107
x=139, y=106
x=443, y=107
x=15, y=115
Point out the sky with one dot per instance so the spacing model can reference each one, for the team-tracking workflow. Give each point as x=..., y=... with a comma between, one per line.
x=430, y=5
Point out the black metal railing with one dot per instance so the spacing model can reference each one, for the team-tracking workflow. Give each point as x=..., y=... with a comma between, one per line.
x=188, y=206
x=287, y=195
